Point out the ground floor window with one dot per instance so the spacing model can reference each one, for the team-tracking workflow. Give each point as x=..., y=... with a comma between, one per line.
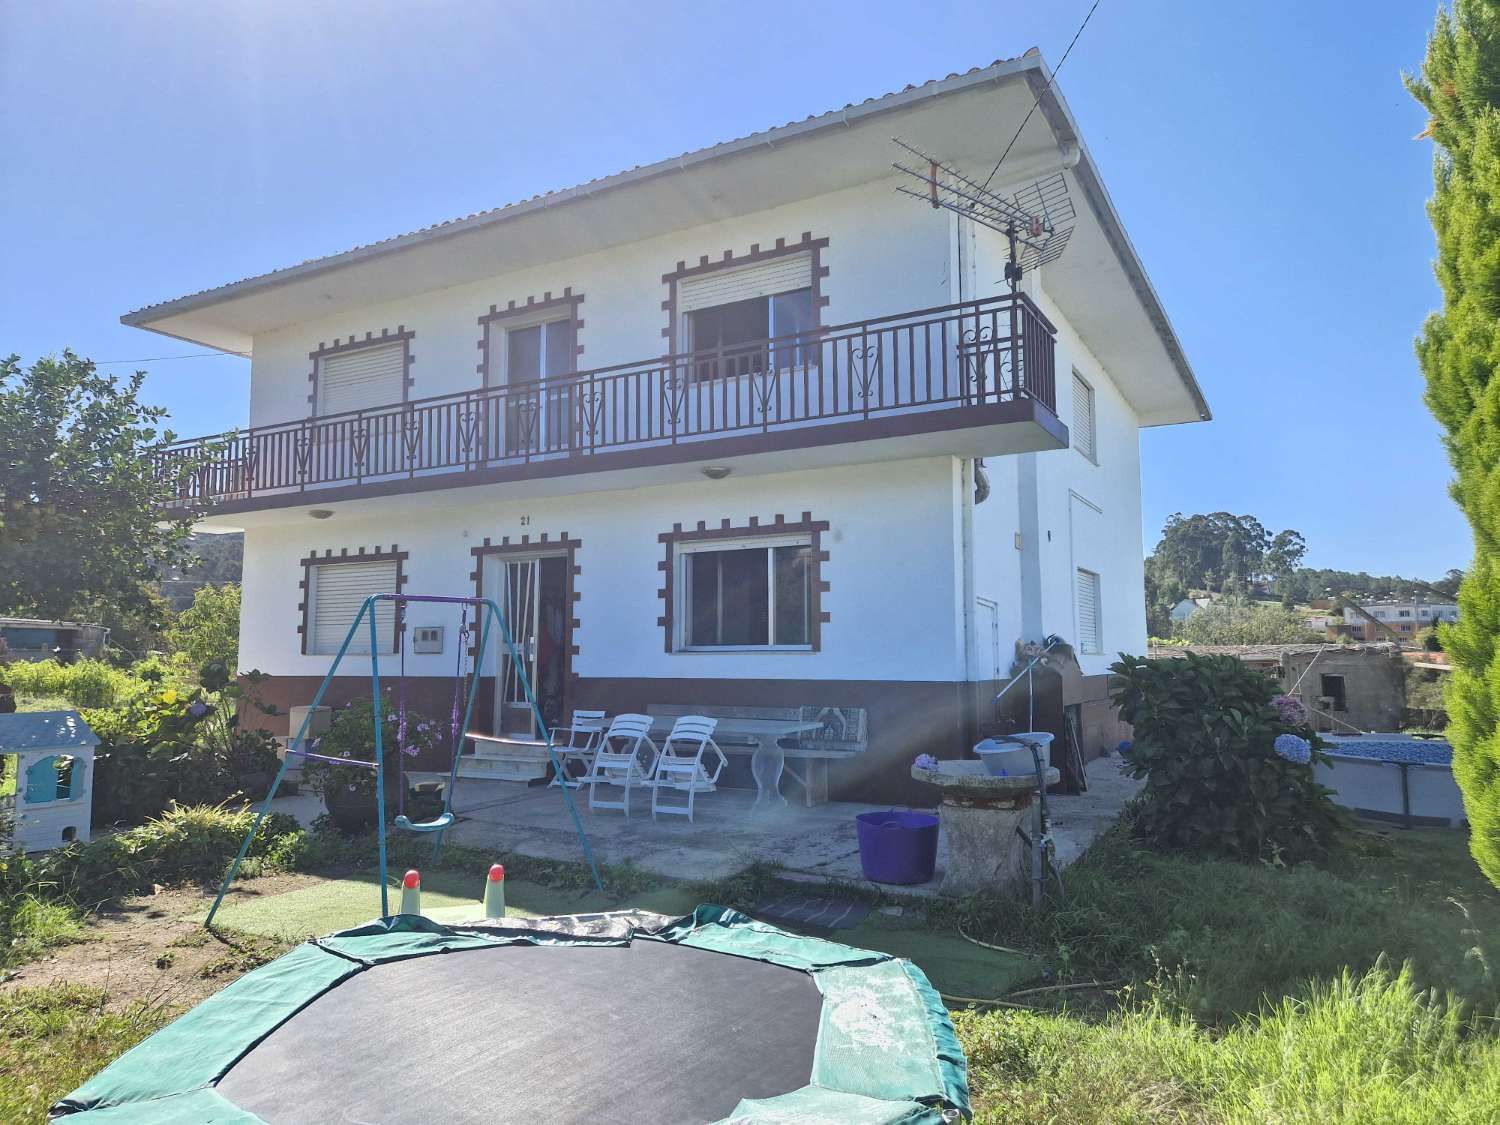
x=335, y=589
x=747, y=595
x=1331, y=688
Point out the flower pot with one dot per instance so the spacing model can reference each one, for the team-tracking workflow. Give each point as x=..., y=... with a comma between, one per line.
x=352, y=807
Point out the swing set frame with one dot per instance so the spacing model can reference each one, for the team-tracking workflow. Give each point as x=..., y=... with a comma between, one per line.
x=489, y=614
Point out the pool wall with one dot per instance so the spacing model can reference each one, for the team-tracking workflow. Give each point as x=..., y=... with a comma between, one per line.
x=1407, y=792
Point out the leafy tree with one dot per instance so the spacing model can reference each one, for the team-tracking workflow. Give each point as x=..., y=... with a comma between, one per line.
x=79, y=500
x=1459, y=350
x=1239, y=622
x=1219, y=549
x=1285, y=553
x=208, y=631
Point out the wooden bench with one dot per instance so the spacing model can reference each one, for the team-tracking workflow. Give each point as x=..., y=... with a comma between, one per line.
x=840, y=734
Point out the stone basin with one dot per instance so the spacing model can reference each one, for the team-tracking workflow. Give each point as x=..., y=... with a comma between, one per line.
x=980, y=812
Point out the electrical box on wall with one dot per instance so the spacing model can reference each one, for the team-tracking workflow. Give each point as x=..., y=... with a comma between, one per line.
x=427, y=638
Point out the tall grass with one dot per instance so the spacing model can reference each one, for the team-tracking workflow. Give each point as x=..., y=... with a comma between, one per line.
x=53, y=1038
x=1361, y=1048
x=29, y=926
x=84, y=683
x=1226, y=935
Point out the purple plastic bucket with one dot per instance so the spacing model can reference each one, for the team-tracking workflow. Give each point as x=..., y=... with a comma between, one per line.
x=898, y=846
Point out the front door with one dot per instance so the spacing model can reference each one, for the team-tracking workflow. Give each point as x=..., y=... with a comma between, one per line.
x=533, y=595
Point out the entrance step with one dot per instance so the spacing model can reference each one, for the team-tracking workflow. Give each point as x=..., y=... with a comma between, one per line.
x=499, y=758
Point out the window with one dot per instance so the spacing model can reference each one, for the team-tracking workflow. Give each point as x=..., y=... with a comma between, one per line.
x=1403, y=613
x=1331, y=688
x=750, y=595
x=337, y=590
x=1084, y=434
x=735, y=311
x=361, y=378
x=1089, y=632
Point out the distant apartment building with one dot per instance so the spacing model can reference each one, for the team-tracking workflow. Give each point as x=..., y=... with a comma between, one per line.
x=1393, y=620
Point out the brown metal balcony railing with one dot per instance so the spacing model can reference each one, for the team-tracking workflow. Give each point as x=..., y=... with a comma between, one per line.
x=995, y=350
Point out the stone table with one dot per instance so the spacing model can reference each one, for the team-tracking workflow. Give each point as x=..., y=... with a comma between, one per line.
x=980, y=813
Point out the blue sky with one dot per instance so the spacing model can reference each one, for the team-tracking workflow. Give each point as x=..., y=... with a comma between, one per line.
x=1260, y=154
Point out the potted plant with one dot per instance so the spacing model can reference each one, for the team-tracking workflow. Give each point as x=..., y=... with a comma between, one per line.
x=348, y=792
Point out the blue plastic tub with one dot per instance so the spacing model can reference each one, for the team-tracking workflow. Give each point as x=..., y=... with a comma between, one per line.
x=898, y=846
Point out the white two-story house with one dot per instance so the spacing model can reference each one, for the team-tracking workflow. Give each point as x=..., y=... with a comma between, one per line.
x=744, y=427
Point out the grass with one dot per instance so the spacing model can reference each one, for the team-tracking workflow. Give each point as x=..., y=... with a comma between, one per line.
x=53, y=1038
x=29, y=926
x=1359, y=993
x=1367, y=1049
x=1230, y=934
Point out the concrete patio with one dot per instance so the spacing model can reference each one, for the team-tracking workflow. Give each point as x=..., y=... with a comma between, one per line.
x=817, y=844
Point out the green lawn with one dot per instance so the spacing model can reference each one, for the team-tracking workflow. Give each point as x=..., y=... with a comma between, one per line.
x=956, y=966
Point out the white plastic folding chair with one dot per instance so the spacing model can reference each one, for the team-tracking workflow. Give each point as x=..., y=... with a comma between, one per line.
x=681, y=765
x=577, y=742
x=626, y=758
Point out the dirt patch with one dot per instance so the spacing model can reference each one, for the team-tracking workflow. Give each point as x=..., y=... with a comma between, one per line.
x=150, y=949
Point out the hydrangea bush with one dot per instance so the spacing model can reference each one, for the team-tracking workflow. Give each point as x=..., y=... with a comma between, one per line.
x=1225, y=772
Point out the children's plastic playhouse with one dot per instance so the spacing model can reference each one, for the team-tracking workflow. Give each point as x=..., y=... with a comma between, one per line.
x=51, y=756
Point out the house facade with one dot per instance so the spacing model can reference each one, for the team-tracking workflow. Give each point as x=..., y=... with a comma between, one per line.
x=742, y=428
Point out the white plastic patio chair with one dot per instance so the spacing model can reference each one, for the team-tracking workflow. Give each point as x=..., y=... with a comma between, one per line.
x=681, y=764
x=576, y=742
x=626, y=757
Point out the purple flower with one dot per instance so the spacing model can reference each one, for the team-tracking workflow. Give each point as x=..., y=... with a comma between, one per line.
x=1290, y=710
x=198, y=710
x=926, y=762
x=1293, y=749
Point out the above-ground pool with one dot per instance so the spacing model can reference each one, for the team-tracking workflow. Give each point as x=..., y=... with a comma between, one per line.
x=1393, y=777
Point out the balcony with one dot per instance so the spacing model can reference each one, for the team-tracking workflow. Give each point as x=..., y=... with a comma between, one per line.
x=916, y=383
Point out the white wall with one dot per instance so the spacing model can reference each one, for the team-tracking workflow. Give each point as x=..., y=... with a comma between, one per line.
x=885, y=255
x=892, y=569
x=1089, y=513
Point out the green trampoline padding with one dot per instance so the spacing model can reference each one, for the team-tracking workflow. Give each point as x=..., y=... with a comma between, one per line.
x=883, y=1051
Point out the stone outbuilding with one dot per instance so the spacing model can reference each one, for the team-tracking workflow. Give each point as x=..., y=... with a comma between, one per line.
x=1344, y=687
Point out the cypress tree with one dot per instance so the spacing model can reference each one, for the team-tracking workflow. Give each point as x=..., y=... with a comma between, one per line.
x=1459, y=352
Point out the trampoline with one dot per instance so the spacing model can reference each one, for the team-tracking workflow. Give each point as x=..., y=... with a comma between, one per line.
x=598, y=1018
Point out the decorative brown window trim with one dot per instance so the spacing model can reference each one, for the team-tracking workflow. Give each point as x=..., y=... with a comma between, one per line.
x=545, y=304
x=544, y=545
x=807, y=245
x=401, y=335
x=817, y=616
x=361, y=555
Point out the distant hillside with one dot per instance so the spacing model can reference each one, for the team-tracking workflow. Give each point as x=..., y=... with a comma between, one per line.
x=217, y=559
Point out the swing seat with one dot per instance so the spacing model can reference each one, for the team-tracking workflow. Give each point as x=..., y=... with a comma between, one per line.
x=443, y=820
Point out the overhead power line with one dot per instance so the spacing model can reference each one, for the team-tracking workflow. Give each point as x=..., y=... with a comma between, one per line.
x=1038, y=100
x=161, y=358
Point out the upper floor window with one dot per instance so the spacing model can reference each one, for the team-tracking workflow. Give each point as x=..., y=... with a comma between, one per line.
x=525, y=349
x=361, y=376
x=753, y=594
x=736, y=312
x=1084, y=432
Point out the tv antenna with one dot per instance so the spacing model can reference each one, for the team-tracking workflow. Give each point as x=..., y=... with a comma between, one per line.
x=1036, y=221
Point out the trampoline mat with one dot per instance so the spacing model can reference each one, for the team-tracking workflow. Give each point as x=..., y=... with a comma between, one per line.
x=644, y=1032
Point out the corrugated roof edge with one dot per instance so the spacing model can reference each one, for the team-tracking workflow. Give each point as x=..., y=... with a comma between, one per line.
x=1028, y=65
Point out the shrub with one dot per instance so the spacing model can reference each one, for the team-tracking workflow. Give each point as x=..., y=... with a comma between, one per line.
x=84, y=683
x=208, y=631
x=351, y=735
x=184, y=844
x=171, y=745
x=1206, y=741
